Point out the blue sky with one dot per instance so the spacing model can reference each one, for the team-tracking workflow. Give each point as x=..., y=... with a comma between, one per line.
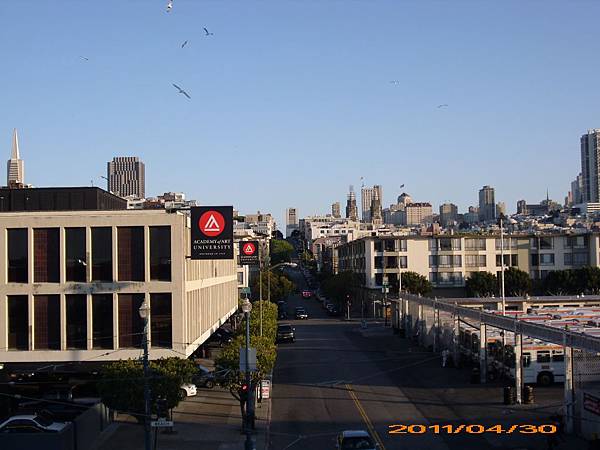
x=292, y=100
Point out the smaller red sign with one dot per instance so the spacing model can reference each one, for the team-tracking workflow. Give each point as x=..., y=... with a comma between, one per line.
x=249, y=248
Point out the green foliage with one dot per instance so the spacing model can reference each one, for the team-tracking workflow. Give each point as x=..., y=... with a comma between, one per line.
x=281, y=251
x=481, y=284
x=338, y=287
x=269, y=313
x=122, y=384
x=414, y=283
x=516, y=282
x=583, y=280
x=229, y=358
x=281, y=285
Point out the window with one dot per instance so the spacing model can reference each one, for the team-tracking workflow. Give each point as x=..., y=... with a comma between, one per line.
x=102, y=321
x=240, y=278
x=45, y=255
x=576, y=259
x=160, y=320
x=526, y=359
x=379, y=262
x=75, y=254
x=160, y=253
x=509, y=244
x=474, y=244
x=391, y=262
x=547, y=259
x=445, y=260
x=76, y=315
x=475, y=260
x=17, y=255
x=545, y=242
x=102, y=254
x=509, y=260
x=446, y=244
x=18, y=322
x=446, y=278
x=403, y=262
x=575, y=241
x=378, y=246
x=46, y=323
x=389, y=245
x=130, y=242
x=543, y=357
x=558, y=357
x=131, y=325
x=378, y=279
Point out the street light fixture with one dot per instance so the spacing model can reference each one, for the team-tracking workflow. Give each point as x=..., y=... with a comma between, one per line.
x=249, y=444
x=144, y=312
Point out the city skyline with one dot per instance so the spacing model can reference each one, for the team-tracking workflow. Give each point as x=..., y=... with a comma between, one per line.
x=505, y=108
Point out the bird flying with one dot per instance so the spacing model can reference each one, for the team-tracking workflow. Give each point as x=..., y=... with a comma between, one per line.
x=401, y=186
x=207, y=32
x=83, y=57
x=181, y=91
x=441, y=106
x=170, y=6
x=183, y=45
x=394, y=82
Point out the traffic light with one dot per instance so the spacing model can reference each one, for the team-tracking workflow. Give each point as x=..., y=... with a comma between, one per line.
x=243, y=391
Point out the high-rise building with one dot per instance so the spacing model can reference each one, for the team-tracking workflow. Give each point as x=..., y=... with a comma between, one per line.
x=351, y=209
x=576, y=192
x=376, y=213
x=448, y=214
x=126, y=176
x=291, y=221
x=418, y=213
x=487, y=204
x=379, y=189
x=590, y=158
x=366, y=199
x=336, y=210
x=15, y=170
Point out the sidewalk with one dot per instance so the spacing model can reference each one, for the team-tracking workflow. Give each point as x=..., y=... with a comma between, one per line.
x=211, y=420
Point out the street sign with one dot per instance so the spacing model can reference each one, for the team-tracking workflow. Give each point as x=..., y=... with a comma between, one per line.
x=243, y=359
x=246, y=290
x=265, y=388
x=249, y=253
x=161, y=423
x=212, y=232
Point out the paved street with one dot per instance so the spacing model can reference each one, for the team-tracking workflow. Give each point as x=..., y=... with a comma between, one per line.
x=337, y=376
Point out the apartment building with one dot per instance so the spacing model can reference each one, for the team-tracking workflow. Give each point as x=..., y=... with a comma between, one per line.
x=71, y=284
x=448, y=260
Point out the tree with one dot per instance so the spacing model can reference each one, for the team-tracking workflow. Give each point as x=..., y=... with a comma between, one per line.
x=517, y=283
x=122, y=384
x=587, y=280
x=414, y=283
x=281, y=285
x=481, y=284
x=281, y=251
x=269, y=316
x=339, y=287
x=229, y=358
x=560, y=282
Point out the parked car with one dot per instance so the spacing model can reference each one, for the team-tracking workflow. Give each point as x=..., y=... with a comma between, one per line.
x=204, y=377
x=355, y=440
x=301, y=313
x=188, y=390
x=306, y=294
x=31, y=423
x=285, y=332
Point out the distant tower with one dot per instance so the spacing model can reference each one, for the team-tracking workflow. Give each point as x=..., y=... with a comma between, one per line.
x=375, y=213
x=15, y=170
x=336, y=210
x=291, y=221
x=351, y=210
x=126, y=176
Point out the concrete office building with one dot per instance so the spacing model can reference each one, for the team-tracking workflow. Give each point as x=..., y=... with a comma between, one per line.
x=291, y=221
x=448, y=214
x=590, y=158
x=71, y=284
x=366, y=199
x=487, y=204
x=351, y=209
x=126, y=176
x=418, y=213
x=448, y=260
x=576, y=192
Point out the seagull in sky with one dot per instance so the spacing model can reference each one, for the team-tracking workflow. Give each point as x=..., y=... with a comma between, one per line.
x=441, y=106
x=394, y=82
x=183, y=45
x=170, y=6
x=207, y=32
x=181, y=91
x=83, y=57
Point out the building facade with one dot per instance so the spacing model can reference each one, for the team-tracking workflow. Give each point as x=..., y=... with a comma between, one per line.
x=448, y=260
x=366, y=199
x=291, y=221
x=336, y=210
x=418, y=213
x=127, y=176
x=487, y=204
x=15, y=168
x=351, y=209
x=590, y=148
x=71, y=284
x=448, y=214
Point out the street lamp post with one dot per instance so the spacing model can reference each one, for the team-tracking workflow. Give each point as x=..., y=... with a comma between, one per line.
x=249, y=444
x=144, y=312
x=502, y=267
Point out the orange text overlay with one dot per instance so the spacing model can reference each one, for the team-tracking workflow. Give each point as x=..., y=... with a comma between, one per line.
x=471, y=429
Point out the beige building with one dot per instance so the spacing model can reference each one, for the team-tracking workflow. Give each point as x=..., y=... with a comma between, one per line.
x=71, y=284
x=448, y=260
x=418, y=213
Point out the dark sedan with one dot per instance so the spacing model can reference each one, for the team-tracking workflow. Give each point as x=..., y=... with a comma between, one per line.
x=285, y=332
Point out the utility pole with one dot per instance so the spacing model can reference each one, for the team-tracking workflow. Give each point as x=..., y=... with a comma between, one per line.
x=502, y=267
x=249, y=444
x=144, y=312
x=260, y=271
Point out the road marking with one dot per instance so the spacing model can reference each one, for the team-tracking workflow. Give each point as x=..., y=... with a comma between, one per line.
x=365, y=417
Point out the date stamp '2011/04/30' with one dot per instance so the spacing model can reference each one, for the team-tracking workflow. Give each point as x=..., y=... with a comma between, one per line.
x=472, y=429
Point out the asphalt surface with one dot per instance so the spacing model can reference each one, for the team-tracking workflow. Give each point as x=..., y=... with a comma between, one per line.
x=338, y=377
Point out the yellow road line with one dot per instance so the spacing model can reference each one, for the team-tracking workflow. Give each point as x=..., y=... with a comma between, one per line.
x=365, y=417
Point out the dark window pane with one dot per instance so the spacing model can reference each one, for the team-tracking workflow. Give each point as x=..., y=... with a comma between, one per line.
x=18, y=322
x=102, y=321
x=76, y=321
x=131, y=325
x=102, y=254
x=45, y=255
x=130, y=242
x=75, y=254
x=17, y=255
x=160, y=320
x=46, y=326
x=160, y=253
